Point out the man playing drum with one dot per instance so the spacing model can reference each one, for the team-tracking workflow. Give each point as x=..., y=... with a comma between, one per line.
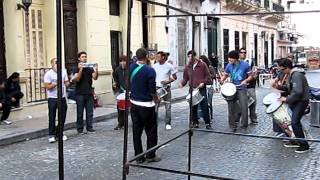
x=201, y=77
x=119, y=86
x=166, y=74
x=298, y=100
x=251, y=87
x=240, y=74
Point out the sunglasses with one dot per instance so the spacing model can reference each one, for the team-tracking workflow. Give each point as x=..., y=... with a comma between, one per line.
x=243, y=52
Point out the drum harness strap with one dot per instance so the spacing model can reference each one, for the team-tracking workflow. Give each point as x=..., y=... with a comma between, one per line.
x=135, y=71
x=234, y=71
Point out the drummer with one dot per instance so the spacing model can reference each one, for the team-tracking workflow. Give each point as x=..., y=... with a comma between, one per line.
x=166, y=74
x=298, y=100
x=201, y=77
x=240, y=74
x=119, y=86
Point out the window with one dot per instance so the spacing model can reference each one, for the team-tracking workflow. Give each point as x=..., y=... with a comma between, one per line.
x=114, y=6
x=244, y=39
x=225, y=45
x=236, y=40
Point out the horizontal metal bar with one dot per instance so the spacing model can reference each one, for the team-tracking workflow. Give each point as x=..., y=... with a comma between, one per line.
x=236, y=14
x=253, y=135
x=167, y=6
x=157, y=147
x=178, y=172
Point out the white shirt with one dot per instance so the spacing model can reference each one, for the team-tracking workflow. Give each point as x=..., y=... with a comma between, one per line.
x=163, y=71
x=51, y=77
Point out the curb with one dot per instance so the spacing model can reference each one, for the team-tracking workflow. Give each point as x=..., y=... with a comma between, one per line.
x=71, y=125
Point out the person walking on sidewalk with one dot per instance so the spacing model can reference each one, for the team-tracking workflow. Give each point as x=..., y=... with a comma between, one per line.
x=298, y=100
x=84, y=92
x=5, y=105
x=143, y=98
x=119, y=86
x=201, y=77
x=251, y=87
x=50, y=82
x=240, y=75
x=165, y=75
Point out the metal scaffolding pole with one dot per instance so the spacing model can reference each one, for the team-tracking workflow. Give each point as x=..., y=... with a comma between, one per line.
x=59, y=67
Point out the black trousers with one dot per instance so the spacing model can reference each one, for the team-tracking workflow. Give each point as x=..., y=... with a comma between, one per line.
x=6, y=108
x=17, y=95
x=121, y=116
x=144, y=118
x=53, y=106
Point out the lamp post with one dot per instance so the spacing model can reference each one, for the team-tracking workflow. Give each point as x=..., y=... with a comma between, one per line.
x=25, y=6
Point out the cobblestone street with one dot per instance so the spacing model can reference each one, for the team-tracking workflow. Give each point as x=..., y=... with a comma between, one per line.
x=99, y=156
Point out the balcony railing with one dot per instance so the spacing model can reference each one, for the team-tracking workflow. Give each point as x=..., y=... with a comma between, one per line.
x=277, y=7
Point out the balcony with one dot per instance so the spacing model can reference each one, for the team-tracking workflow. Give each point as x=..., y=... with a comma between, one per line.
x=243, y=5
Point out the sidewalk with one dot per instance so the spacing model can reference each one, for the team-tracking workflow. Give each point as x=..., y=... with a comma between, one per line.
x=32, y=121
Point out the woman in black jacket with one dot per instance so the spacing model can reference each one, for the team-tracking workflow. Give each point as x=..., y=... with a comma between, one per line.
x=13, y=89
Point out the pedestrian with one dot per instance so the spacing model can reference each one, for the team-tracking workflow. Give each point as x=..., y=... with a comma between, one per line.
x=13, y=89
x=298, y=100
x=240, y=74
x=5, y=105
x=201, y=77
x=84, y=92
x=251, y=87
x=143, y=98
x=210, y=85
x=120, y=86
x=165, y=75
x=50, y=82
x=214, y=63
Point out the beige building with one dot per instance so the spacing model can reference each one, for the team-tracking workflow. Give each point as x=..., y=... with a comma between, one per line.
x=257, y=33
x=95, y=26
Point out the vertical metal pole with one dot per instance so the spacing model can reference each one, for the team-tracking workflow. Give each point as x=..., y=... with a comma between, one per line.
x=125, y=167
x=190, y=104
x=59, y=64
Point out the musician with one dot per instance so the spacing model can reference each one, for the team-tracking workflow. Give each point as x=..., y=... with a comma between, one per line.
x=240, y=74
x=143, y=98
x=201, y=77
x=298, y=99
x=119, y=85
x=166, y=74
x=251, y=87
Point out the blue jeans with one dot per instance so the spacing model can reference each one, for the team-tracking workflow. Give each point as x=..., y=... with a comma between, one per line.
x=53, y=106
x=84, y=102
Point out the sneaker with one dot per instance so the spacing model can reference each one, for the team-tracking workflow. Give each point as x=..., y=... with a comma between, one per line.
x=254, y=122
x=291, y=144
x=91, y=130
x=195, y=125
x=52, y=139
x=208, y=126
x=118, y=127
x=302, y=149
x=168, y=127
x=140, y=161
x=6, y=122
x=80, y=131
x=64, y=138
x=154, y=159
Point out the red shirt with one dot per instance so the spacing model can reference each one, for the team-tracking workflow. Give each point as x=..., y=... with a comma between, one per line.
x=200, y=73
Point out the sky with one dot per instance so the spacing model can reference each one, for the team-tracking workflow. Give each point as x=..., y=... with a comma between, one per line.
x=307, y=24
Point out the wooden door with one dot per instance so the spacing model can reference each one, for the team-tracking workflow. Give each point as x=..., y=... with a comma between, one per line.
x=70, y=34
x=3, y=69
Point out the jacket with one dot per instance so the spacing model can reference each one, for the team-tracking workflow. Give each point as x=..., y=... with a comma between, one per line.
x=201, y=74
x=297, y=86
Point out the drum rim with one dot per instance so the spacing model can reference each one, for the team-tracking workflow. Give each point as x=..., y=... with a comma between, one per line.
x=268, y=96
x=280, y=104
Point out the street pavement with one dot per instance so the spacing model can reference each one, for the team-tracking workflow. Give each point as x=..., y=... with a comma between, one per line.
x=99, y=156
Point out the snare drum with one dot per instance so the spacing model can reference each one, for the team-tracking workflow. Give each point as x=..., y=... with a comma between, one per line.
x=121, y=98
x=228, y=91
x=270, y=98
x=162, y=92
x=281, y=114
x=196, y=97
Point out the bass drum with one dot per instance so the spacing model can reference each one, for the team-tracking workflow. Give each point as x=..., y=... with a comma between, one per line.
x=228, y=91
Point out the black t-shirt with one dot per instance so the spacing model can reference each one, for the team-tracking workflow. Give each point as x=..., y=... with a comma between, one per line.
x=84, y=86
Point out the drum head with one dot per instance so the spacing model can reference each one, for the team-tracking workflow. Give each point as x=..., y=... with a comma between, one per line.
x=195, y=91
x=274, y=106
x=228, y=89
x=270, y=98
x=121, y=96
